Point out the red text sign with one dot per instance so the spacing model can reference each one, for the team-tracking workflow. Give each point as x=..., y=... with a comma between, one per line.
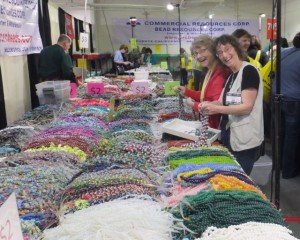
x=271, y=26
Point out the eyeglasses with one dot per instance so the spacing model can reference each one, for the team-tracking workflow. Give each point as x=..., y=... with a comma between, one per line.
x=200, y=51
x=227, y=49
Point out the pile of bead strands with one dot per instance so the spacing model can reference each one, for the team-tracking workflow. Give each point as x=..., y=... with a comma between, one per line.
x=225, y=208
x=135, y=217
x=248, y=231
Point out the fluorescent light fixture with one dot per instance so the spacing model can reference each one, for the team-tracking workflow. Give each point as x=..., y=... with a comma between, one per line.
x=170, y=6
x=262, y=15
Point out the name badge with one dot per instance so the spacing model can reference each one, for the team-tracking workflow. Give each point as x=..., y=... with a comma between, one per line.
x=233, y=98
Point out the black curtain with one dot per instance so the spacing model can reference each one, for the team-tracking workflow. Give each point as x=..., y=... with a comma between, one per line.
x=32, y=59
x=3, y=122
x=44, y=23
x=80, y=26
x=91, y=38
x=76, y=27
x=61, y=21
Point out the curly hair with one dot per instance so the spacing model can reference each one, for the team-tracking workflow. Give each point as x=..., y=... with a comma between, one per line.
x=206, y=41
x=233, y=41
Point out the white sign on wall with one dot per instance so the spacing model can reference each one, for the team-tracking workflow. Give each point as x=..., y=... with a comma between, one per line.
x=161, y=31
x=19, y=29
x=84, y=40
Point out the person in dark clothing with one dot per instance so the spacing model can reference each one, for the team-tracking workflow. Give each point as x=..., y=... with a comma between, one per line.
x=254, y=51
x=148, y=57
x=289, y=134
x=184, y=58
x=55, y=63
x=284, y=43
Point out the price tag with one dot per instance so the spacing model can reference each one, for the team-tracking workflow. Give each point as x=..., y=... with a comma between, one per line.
x=164, y=65
x=139, y=87
x=73, y=90
x=169, y=87
x=84, y=40
x=10, y=228
x=95, y=88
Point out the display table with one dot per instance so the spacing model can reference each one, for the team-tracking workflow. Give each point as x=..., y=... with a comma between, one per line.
x=151, y=70
x=94, y=60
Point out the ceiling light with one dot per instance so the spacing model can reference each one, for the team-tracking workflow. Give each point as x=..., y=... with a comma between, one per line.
x=170, y=6
x=262, y=15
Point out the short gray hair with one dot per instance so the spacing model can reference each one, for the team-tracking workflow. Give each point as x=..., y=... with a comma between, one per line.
x=64, y=38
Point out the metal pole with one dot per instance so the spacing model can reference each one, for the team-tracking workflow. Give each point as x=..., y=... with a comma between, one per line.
x=83, y=49
x=211, y=26
x=259, y=27
x=179, y=31
x=277, y=103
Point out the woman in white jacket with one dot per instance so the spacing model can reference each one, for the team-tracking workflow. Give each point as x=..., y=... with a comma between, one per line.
x=240, y=104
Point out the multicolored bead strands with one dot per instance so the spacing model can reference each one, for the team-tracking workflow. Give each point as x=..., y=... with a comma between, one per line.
x=105, y=185
x=41, y=116
x=56, y=158
x=38, y=190
x=16, y=137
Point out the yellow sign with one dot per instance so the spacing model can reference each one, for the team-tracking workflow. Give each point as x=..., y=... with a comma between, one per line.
x=133, y=43
x=164, y=65
x=169, y=88
x=79, y=63
x=157, y=48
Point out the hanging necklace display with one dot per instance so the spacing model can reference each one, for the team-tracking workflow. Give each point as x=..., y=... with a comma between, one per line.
x=181, y=106
x=203, y=130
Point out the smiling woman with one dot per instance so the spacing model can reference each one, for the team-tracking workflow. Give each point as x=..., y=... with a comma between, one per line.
x=203, y=51
x=240, y=104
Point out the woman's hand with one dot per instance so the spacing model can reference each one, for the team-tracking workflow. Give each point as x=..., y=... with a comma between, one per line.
x=190, y=102
x=180, y=89
x=208, y=108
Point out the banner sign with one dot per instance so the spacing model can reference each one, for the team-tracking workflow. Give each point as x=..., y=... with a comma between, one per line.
x=19, y=29
x=69, y=26
x=271, y=25
x=162, y=31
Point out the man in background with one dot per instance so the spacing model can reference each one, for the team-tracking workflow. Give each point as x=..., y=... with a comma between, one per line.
x=290, y=109
x=120, y=64
x=55, y=63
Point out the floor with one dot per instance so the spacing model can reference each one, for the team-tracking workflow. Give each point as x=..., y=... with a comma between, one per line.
x=289, y=189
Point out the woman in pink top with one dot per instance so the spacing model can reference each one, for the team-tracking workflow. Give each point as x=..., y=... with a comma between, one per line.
x=204, y=52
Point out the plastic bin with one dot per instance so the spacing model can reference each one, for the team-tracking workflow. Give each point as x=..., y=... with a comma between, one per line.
x=53, y=92
x=141, y=75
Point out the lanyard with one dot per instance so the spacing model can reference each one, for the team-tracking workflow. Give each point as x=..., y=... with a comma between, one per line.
x=206, y=79
x=231, y=80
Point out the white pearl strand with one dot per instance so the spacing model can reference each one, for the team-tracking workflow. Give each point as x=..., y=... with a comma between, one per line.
x=248, y=231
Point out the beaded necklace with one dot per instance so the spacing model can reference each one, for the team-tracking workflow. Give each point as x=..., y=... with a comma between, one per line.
x=248, y=231
x=201, y=160
x=224, y=208
x=221, y=182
